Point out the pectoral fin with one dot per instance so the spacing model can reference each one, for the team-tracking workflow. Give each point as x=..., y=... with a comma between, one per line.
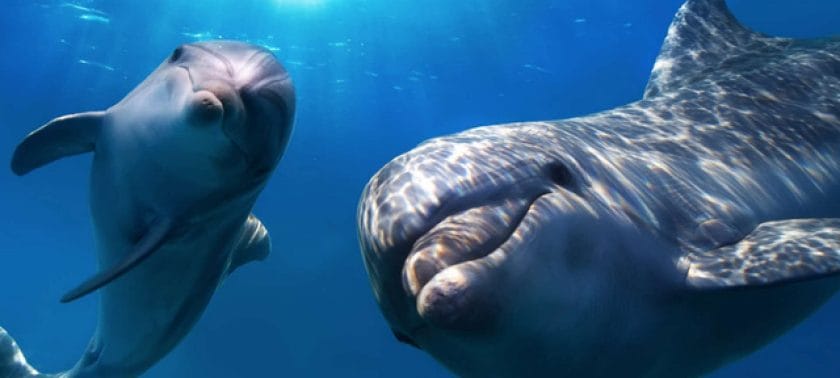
x=254, y=244
x=64, y=136
x=147, y=245
x=775, y=252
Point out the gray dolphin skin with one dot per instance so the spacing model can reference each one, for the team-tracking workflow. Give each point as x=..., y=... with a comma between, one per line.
x=663, y=238
x=177, y=167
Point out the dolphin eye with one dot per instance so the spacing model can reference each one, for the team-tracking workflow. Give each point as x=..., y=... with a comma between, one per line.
x=559, y=174
x=176, y=54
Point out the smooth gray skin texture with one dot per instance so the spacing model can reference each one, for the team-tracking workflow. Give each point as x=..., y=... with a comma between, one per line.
x=662, y=238
x=177, y=167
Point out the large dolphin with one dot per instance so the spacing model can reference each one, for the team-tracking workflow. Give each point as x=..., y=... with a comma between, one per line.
x=662, y=238
x=177, y=167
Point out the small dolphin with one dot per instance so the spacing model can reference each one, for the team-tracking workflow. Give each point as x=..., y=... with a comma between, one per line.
x=663, y=238
x=177, y=167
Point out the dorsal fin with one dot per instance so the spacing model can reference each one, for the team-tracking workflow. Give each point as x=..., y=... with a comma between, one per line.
x=703, y=36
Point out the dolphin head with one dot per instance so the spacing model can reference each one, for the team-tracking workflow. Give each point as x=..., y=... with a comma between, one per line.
x=481, y=241
x=432, y=217
x=246, y=90
x=222, y=105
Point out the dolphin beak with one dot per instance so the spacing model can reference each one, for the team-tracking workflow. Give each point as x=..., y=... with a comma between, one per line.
x=258, y=102
x=431, y=218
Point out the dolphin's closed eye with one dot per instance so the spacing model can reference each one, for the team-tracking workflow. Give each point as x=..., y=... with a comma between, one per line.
x=560, y=175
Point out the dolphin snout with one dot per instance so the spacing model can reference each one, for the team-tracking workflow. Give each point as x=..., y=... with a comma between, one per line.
x=206, y=108
x=433, y=216
x=444, y=177
x=250, y=89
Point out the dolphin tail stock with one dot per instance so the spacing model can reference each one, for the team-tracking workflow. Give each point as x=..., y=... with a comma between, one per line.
x=12, y=362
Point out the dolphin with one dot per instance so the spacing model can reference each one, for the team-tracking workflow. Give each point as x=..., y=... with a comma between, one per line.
x=177, y=166
x=662, y=238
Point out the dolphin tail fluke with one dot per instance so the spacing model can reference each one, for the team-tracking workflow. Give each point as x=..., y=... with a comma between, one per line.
x=12, y=362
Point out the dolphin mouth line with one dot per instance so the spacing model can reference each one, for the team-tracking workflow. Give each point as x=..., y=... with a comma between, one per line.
x=189, y=77
x=468, y=235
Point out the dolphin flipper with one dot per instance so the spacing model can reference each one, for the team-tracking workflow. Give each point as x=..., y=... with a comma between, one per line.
x=64, y=136
x=253, y=245
x=775, y=252
x=150, y=242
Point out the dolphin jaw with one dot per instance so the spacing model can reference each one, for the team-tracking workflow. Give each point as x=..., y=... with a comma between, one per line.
x=459, y=295
x=444, y=271
x=461, y=237
x=465, y=296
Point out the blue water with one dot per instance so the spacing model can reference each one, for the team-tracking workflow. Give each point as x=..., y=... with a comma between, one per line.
x=374, y=78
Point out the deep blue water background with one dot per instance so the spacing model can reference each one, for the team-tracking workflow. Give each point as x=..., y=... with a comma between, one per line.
x=374, y=78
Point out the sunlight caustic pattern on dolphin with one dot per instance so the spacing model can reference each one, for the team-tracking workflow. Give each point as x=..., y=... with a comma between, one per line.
x=177, y=167
x=661, y=238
